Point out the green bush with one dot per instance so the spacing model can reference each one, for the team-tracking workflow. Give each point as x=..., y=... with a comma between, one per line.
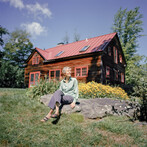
x=43, y=87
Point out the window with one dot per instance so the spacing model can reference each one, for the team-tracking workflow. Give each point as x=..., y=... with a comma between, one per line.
x=115, y=55
x=81, y=71
x=122, y=78
x=120, y=58
x=35, y=59
x=84, y=71
x=84, y=48
x=55, y=74
x=115, y=75
x=61, y=52
x=107, y=72
x=109, y=51
x=78, y=72
x=58, y=74
x=34, y=78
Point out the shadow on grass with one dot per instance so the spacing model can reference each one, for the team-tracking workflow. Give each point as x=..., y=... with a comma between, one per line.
x=56, y=120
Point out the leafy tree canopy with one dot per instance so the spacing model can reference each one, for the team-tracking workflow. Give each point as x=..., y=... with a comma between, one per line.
x=128, y=25
x=3, y=31
x=18, y=47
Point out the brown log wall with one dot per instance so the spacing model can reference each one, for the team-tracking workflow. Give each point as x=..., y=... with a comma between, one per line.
x=93, y=63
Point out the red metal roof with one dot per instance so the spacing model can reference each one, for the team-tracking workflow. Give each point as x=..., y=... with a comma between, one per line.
x=96, y=44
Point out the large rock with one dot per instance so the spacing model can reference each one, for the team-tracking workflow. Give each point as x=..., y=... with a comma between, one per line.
x=99, y=107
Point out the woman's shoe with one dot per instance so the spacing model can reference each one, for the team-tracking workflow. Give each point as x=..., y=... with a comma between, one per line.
x=45, y=119
x=55, y=116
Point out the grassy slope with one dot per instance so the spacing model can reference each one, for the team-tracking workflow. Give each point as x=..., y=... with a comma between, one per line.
x=20, y=126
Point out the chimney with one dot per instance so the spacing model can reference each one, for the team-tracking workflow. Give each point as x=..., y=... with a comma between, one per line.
x=59, y=44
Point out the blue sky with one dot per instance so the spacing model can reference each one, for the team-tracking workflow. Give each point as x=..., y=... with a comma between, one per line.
x=50, y=20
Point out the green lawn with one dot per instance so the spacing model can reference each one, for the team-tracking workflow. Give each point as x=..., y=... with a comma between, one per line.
x=20, y=126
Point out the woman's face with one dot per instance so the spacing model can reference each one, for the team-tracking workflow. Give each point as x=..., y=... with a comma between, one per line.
x=68, y=73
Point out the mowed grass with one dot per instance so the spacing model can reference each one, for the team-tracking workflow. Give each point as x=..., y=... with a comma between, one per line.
x=20, y=126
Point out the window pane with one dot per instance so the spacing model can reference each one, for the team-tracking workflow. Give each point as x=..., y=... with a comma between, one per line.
x=115, y=74
x=37, y=60
x=59, y=53
x=78, y=72
x=109, y=51
x=107, y=72
x=84, y=71
x=58, y=74
x=84, y=48
x=122, y=77
x=47, y=75
x=32, y=77
x=120, y=58
x=33, y=61
x=52, y=74
x=36, y=78
x=115, y=55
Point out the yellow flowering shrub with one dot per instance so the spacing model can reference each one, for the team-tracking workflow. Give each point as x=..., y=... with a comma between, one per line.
x=97, y=90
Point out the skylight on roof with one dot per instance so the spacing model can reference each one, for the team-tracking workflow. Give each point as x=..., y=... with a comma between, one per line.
x=84, y=48
x=59, y=53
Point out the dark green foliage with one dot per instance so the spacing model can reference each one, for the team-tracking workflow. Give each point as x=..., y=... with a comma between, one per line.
x=128, y=25
x=14, y=54
x=136, y=76
x=11, y=76
x=3, y=31
x=18, y=48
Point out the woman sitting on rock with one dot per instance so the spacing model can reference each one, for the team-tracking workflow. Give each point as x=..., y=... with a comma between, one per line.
x=67, y=94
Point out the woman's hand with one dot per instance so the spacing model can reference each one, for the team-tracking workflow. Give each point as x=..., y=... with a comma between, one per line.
x=72, y=105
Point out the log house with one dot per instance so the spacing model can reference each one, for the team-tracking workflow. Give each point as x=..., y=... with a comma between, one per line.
x=98, y=59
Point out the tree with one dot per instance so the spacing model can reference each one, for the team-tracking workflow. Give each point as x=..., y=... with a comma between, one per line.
x=3, y=31
x=11, y=76
x=66, y=38
x=18, y=48
x=16, y=51
x=128, y=25
x=76, y=36
x=136, y=75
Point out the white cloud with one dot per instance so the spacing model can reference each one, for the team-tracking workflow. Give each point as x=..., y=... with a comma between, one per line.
x=38, y=9
x=34, y=28
x=15, y=3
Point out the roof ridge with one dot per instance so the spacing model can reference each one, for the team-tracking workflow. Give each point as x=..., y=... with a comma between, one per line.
x=81, y=40
x=97, y=43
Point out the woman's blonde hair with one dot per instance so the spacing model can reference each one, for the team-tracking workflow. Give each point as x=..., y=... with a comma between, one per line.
x=65, y=68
